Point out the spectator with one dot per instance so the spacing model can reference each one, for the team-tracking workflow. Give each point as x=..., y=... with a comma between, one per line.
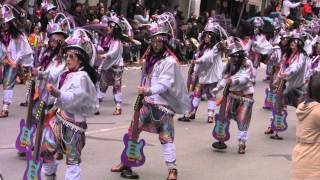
x=316, y=6
x=178, y=14
x=307, y=10
x=77, y=12
x=306, y=153
x=141, y=15
x=115, y=7
x=91, y=15
x=132, y=9
x=287, y=5
x=101, y=12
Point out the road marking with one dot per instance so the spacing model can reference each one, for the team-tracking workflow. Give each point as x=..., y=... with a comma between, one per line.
x=106, y=130
x=8, y=146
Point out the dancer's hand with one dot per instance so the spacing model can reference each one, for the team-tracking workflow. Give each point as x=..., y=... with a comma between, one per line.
x=195, y=62
x=49, y=88
x=35, y=72
x=144, y=90
x=284, y=75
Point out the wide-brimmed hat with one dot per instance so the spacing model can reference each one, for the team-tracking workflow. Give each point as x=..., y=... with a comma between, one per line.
x=6, y=14
x=61, y=25
x=165, y=24
x=80, y=43
x=47, y=6
x=235, y=45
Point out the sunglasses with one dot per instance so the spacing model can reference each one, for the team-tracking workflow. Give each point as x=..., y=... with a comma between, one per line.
x=112, y=24
x=158, y=39
x=207, y=35
x=71, y=54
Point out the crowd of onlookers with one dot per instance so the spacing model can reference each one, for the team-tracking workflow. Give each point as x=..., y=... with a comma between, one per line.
x=188, y=29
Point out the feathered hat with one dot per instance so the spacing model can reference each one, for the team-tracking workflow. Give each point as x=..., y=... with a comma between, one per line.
x=61, y=25
x=47, y=6
x=218, y=31
x=258, y=22
x=80, y=43
x=235, y=45
x=164, y=24
x=6, y=14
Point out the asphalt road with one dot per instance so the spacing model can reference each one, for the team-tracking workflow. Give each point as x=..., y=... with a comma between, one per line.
x=265, y=159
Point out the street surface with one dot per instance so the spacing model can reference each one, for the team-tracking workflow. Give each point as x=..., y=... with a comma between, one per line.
x=265, y=159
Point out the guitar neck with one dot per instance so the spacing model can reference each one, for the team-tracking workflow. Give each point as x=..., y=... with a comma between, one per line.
x=224, y=100
x=280, y=90
x=30, y=103
x=40, y=117
x=136, y=115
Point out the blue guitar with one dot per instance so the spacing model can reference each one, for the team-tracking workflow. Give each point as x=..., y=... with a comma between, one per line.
x=24, y=141
x=133, y=155
x=221, y=128
x=34, y=161
x=279, y=119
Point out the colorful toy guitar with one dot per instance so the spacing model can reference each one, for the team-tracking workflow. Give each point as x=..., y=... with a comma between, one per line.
x=270, y=95
x=268, y=101
x=279, y=119
x=190, y=80
x=34, y=161
x=133, y=155
x=221, y=128
x=24, y=141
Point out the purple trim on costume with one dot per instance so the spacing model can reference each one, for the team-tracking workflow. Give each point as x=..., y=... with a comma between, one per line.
x=45, y=60
x=105, y=43
x=63, y=78
x=150, y=62
x=201, y=52
x=5, y=39
x=314, y=64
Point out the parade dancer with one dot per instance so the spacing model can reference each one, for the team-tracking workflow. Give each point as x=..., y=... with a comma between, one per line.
x=165, y=94
x=47, y=54
x=52, y=60
x=273, y=63
x=76, y=101
x=208, y=69
x=36, y=41
x=112, y=65
x=292, y=72
x=314, y=63
x=15, y=51
x=258, y=46
x=49, y=11
x=239, y=75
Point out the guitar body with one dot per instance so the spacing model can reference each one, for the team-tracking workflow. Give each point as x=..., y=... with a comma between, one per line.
x=132, y=155
x=268, y=101
x=24, y=141
x=33, y=171
x=279, y=122
x=221, y=129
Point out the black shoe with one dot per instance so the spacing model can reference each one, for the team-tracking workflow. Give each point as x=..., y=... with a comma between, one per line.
x=219, y=145
x=129, y=174
x=21, y=155
x=24, y=104
x=276, y=137
x=192, y=116
x=184, y=119
x=51, y=177
x=97, y=113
